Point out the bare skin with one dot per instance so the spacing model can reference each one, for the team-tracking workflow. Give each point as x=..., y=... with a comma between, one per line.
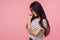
x=36, y=32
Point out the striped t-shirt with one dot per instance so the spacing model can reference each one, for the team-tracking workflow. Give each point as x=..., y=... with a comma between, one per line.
x=34, y=26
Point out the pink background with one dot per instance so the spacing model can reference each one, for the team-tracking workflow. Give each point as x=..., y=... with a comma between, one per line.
x=14, y=17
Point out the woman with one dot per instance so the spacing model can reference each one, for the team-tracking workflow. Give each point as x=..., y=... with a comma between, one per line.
x=38, y=24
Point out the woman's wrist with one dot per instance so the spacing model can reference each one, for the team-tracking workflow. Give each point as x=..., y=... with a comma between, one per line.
x=29, y=20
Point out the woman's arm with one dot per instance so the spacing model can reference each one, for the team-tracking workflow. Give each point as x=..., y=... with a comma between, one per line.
x=29, y=27
x=36, y=32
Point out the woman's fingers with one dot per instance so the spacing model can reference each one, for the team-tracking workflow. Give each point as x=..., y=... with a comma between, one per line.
x=30, y=14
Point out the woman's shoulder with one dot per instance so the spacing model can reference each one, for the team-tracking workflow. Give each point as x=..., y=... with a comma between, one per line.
x=44, y=22
x=35, y=21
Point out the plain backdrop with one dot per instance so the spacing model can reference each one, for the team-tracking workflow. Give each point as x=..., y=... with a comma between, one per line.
x=14, y=17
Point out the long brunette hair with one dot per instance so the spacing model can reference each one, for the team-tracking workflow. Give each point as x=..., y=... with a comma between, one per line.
x=36, y=6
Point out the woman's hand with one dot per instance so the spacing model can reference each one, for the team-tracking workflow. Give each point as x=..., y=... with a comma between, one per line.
x=30, y=16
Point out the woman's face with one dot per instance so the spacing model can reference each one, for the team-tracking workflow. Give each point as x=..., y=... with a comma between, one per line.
x=34, y=13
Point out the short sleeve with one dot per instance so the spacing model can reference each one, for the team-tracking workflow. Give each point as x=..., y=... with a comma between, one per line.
x=44, y=23
x=35, y=24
